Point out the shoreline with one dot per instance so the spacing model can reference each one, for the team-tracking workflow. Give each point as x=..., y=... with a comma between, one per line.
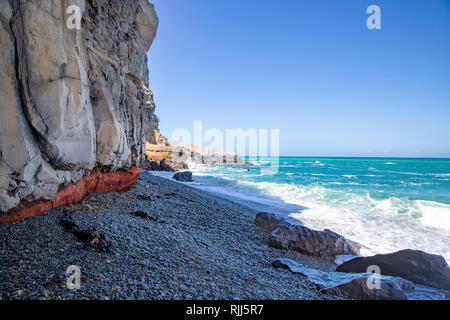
x=356, y=205
x=192, y=245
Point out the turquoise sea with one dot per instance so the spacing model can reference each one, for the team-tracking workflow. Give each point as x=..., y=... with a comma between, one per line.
x=386, y=204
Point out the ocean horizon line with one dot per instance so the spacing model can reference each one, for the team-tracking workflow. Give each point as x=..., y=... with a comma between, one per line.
x=353, y=157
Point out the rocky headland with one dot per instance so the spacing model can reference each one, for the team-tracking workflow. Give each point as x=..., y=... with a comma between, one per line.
x=164, y=156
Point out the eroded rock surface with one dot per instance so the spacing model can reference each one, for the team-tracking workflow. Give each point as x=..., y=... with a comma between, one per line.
x=269, y=221
x=72, y=100
x=178, y=155
x=415, y=265
x=324, y=243
x=356, y=285
x=287, y=236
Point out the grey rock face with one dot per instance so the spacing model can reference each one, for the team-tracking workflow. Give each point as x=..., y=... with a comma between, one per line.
x=415, y=265
x=185, y=176
x=72, y=100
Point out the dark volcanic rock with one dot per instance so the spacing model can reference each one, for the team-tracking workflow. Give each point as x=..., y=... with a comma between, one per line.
x=90, y=237
x=143, y=215
x=155, y=166
x=415, y=265
x=267, y=221
x=312, y=242
x=359, y=290
x=270, y=221
x=165, y=166
x=185, y=176
x=150, y=166
x=351, y=285
x=287, y=236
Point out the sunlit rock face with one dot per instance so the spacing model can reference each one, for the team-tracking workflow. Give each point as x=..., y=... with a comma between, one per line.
x=72, y=99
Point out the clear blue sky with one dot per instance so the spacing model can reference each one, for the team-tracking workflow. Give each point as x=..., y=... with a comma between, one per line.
x=311, y=69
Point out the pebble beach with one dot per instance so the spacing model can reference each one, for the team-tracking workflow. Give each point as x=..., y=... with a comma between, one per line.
x=161, y=239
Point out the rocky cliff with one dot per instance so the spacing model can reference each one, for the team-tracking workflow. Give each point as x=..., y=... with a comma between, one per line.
x=174, y=157
x=74, y=100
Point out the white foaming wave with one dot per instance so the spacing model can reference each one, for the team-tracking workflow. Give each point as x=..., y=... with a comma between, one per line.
x=344, y=183
x=382, y=225
x=417, y=184
x=441, y=174
x=391, y=163
x=392, y=207
x=260, y=163
x=350, y=176
x=435, y=214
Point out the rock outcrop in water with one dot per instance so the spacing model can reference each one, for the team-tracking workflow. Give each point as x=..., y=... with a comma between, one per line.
x=415, y=265
x=74, y=100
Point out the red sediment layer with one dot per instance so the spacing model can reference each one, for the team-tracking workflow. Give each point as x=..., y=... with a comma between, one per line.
x=97, y=182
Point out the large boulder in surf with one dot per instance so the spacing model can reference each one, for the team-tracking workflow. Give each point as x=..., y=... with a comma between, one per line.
x=324, y=243
x=352, y=285
x=415, y=265
x=358, y=289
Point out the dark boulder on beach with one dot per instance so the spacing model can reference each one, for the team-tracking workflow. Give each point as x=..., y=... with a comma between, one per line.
x=268, y=221
x=184, y=176
x=354, y=286
x=287, y=236
x=360, y=290
x=415, y=265
x=313, y=242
